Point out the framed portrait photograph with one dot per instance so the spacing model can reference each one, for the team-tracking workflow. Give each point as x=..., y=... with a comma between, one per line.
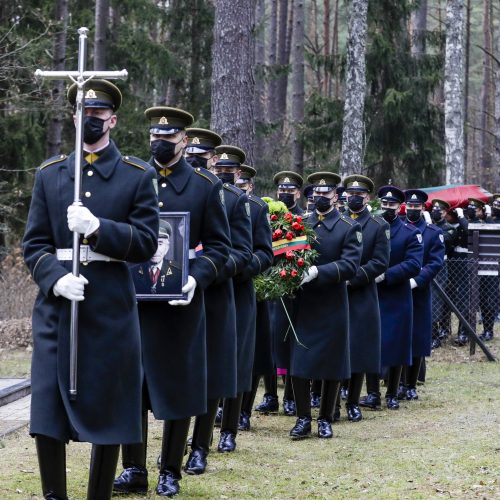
x=164, y=275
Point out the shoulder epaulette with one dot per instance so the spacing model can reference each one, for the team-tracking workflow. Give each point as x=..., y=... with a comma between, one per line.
x=233, y=189
x=378, y=220
x=257, y=200
x=51, y=161
x=347, y=219
x=135, y=162
x=202, y=174
x=434, y=227
x=410, y=227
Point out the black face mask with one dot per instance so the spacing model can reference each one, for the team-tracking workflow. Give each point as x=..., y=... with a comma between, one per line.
x=389, y=214
x=287, y=198
x=322, y=204
x=226, y=177
x=163, y=151
x=470, y=212
x=93, y=129
x=436, y=215
x=197, y=161
x=355, y=203
x=495, y=212
x=413, y=214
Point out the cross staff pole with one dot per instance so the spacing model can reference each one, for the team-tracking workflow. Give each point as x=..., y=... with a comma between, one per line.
x=81, y=77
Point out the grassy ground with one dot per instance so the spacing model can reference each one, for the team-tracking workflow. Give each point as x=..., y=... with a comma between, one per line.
x=444, y=445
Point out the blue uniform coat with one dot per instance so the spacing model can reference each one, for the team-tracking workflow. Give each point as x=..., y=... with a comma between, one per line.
x=120, y=192
x=322, y=321
x=174, y=337
x=364, y=312
x=433, y=259
x=262, y=259
x=222, y=333
x=394, y=294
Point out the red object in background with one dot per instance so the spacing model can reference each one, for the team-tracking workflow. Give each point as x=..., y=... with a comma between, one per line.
x=457, y=195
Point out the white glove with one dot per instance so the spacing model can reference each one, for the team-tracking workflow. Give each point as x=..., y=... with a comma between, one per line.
x=70, y=287
x=413, y=283
x=487, y=210
x=188, y=288
x=427, y=217
x=348, y=283
x=380, y=278
x=81, y=220
x=309, y=275
x=460, y=212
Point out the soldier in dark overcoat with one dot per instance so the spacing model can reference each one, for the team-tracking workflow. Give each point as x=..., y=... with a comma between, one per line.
x=118, y=222
x=237, y=205
x=395, y=299
x=262, y=259
x=219, y=307
x=174, y=333
x=320, y=349
x=364, y=312
x=288, y=186
x=441, y=314
x=432, y=262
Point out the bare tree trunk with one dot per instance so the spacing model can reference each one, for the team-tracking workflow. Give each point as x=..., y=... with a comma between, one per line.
x=453, y=91
x=484, y=123
x=272, y=61
x=55, y=128
x=466, y=89
x=326, y=45
x=282, y=82
x=496, y=179
x=260, y=56
x=101, y=28
x=233, y=86
x=298, y=86
x=419, y=24
x=335, y=51
x=352, y=133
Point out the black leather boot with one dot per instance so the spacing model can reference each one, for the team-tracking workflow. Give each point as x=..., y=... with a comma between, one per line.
x=229, y=426
x=269, y=404
x=102, y=471
x=412, y=376
x=175, y=433
x=134, y=477
x=329, y=397
x=202, y=439
x=372, y=399
x=247, y=404
x=352, y=406
x=302, y=428
x=391, y=396
x=289, y=405
x=52, y=463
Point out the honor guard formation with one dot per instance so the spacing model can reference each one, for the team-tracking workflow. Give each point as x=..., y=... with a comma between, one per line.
x=363, y=310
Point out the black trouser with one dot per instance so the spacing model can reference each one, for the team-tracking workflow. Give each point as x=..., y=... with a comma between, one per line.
x=316, y=386
x=289, y=392
x=134, y=455
x=412, y=373
x=271, y=384
x=173, y=446
x=52, y=462
x=231, y=414
x=488, y=301
x=249, y=397
x=329, y=392
x=355, y=386
x=204, y=426
x=394, y=376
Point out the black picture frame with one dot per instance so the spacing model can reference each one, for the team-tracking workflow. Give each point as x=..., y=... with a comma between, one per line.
x=163, y=280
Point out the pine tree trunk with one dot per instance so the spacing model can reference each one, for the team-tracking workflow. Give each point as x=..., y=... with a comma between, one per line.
x=101, y=28
x=496, y=179
x=326, y=43
x=453, y=91
x=233, y=86
x=298, y=86
x=282, y=82
x=272, y=61
x=419, y=24
x=353, y=130
x=55, y=127
x=335, y=51
x=260, y=56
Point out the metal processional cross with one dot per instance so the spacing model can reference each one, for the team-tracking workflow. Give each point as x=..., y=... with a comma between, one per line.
x=80, y=77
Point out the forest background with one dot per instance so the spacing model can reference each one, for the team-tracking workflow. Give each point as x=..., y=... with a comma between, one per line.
x=288, y=56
